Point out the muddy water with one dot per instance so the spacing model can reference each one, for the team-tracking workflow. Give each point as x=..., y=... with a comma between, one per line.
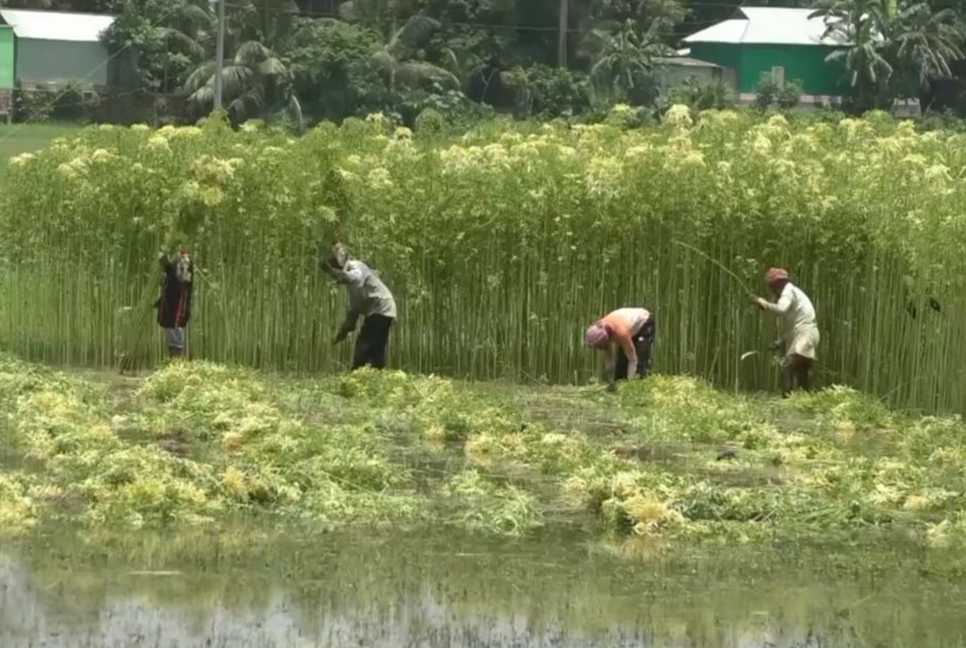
x=403, y=591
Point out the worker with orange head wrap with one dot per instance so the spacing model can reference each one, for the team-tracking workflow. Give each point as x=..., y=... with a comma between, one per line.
x=799, y=337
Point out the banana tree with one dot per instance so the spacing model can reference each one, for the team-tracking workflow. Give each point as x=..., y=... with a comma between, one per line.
x=863, y=28
x=627, y=57
x=927, y=43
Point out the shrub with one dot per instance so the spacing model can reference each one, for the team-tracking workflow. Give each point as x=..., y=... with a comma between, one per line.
x=767, y=91
x=543, y=91
x=789, y=95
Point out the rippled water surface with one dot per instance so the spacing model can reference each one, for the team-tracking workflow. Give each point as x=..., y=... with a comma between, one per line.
x=436, y=590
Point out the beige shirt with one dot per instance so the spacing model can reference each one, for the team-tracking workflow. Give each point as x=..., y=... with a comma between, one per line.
x=798, y=326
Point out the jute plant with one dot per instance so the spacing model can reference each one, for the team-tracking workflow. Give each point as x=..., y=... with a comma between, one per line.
x=501, y=245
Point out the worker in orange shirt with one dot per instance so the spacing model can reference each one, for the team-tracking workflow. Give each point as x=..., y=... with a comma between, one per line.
x=626, y=337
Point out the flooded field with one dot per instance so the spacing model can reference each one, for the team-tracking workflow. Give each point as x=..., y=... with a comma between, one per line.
x=260, y=590
x=213, y=507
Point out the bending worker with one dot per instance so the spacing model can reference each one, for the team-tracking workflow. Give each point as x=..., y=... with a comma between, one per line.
x=368, y=297
x=799, y=337
x=626, y=337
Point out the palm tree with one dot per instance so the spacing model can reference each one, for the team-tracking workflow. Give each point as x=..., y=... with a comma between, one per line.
x=188, y=29
x=254, y=80
x=271, y=22
x=863, y=28
x=399, y=60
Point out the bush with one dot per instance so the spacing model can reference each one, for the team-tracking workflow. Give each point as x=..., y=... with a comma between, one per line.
x=789, y=95
x=43, y=102
x=546, y=92
x=454, y=107
x=716, y=95
x=429, y=122
x=330, y=62
x=770, y=92
x=766, y=92
x=34, y=103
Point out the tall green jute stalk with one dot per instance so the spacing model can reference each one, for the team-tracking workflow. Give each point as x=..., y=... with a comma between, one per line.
x=504, y=244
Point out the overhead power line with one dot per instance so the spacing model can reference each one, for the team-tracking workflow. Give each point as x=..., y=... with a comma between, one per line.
x=455, y=23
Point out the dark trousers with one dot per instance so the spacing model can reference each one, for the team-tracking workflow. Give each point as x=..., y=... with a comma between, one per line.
x=796, y=374
x=372, y=341
x=643, y=342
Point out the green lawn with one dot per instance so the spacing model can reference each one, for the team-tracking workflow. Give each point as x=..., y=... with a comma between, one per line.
x=19, y=138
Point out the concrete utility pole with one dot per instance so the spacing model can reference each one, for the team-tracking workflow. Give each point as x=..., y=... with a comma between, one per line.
x=220, y=54
x=562, y=44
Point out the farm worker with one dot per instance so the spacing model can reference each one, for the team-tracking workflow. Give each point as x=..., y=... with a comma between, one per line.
x=799, y=337
x=626, y=337
x=368, y=297
x=174, y=304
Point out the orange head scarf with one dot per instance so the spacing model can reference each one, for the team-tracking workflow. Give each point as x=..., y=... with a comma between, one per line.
x=776, y=275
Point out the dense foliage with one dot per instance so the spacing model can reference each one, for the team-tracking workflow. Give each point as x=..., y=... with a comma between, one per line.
x=198, y=444
x=502, y=245
x=324, y=59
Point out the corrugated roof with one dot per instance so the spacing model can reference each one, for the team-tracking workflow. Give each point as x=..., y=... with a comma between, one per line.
x=56, y=25
x=768, y=26
x=684, y=61
x=726, y=31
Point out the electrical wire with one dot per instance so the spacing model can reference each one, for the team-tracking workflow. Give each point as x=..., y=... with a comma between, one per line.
x=453, y=23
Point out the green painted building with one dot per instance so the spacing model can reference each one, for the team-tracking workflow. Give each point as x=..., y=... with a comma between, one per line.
x=54, y=48
x=8, y=66
x=785, y=43
x=8, y=61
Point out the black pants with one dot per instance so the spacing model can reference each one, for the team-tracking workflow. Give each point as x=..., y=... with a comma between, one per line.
x=796, y=374
x=371, y=345
x=643, y=342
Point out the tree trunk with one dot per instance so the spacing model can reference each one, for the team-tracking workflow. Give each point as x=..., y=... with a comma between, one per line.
x=562, y=44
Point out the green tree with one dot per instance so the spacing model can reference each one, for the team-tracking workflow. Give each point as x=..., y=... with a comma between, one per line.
x=546, y=91
x=927, y=43
x=161, y=40
x=400, y=60
x=401, y=57
x=644, y=12
x=255, y=81
x=626, y=59
x=330, y=61
x=863, y=28
x=892, y=48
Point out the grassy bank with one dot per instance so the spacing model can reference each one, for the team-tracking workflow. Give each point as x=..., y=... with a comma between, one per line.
x=200, y=445
x=24, y=138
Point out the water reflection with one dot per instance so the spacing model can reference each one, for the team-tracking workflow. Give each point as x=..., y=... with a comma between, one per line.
x=404, y=592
